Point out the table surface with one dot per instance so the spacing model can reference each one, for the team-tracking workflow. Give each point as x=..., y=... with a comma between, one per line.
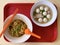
x=3, y=3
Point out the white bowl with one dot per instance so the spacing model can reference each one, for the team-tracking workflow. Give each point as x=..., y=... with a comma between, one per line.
x=52, y=7
x=22, y=38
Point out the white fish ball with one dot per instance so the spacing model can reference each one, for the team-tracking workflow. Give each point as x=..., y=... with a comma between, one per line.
x=41, y=7
x=37, y=10
x=46, y=8
x=44, y=13
x=40, y=20
x=45, y=20
x=48, y=16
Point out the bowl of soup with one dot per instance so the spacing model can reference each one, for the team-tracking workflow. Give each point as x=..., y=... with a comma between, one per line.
x=43, y=13
x=15, y=31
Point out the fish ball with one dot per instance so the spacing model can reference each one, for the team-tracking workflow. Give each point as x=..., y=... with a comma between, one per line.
x=37, y=10
x=40, y=20
x=45, y=20
x=48, y=16
x=44, y=13
x=41, y=7
x=46, y=8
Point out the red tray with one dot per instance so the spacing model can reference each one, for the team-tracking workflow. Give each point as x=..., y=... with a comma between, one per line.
x=49, y=34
